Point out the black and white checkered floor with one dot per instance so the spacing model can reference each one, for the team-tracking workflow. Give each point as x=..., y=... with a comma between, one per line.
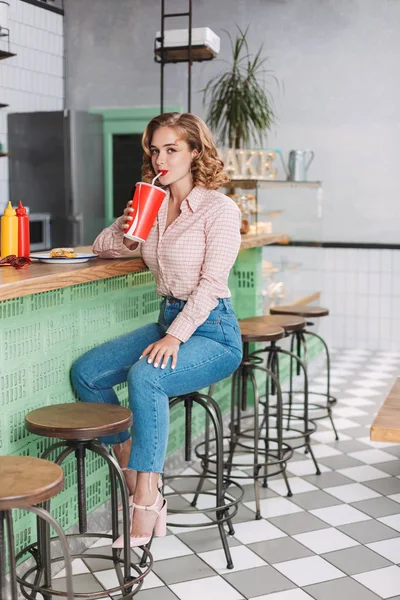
x=338, y=536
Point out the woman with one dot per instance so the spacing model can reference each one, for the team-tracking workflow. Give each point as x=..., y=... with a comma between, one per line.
x=196, y=341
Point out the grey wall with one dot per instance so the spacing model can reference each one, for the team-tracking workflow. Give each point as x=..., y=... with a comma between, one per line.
x=338, y=61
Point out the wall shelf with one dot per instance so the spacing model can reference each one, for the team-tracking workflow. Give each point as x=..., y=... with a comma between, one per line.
x=181, y=54
x=4, y=154
x=3, y=105
x=5, y=54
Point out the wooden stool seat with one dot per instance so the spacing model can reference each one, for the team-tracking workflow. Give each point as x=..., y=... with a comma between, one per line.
x=79, y=420
x=26, y=481
x=260, y=332
x=301, y=310
x=289, y=323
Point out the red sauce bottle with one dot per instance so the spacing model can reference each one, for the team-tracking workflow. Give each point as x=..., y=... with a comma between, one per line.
x=24, y=247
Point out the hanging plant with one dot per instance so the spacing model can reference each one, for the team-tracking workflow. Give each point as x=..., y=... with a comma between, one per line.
x=239, y=105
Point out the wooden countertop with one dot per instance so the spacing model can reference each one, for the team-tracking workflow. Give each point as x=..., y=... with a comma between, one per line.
x=42, y=277
x=386, y=425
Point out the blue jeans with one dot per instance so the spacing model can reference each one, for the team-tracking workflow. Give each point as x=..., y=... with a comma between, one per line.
x=213, y=352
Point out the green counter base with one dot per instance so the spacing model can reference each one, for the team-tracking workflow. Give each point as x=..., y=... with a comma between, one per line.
x=42, y=334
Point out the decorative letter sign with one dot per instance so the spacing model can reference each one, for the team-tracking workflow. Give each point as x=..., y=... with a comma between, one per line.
x=249, y=164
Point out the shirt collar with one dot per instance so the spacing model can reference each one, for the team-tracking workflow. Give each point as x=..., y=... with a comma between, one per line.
x=194, y=198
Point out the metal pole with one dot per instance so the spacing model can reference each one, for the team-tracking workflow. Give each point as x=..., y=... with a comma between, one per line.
x=190, y=57
x=162, y=57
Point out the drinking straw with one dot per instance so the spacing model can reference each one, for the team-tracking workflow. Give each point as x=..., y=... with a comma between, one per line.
x=157, y=176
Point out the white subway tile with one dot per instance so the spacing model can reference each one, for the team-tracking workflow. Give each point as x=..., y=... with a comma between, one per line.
x=362, y=306
x=374, y=284
x=350, y=283
x=374, y=260
x=385, y=330
x=374, y=307
x=386, y=260
x=59, y=25
x=386, y=283
x=362, y=282
x=396, y=261
x=40, y=18
x=362, y=260
x=396, y=284
x=351, y=305
x=385, y=306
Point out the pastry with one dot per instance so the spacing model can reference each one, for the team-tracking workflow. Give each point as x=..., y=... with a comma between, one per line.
x=63, y=253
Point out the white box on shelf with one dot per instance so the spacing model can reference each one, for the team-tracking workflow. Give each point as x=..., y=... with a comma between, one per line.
x=179, y=38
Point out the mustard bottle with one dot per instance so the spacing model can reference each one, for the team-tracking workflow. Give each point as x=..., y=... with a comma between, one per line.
x=9, y=232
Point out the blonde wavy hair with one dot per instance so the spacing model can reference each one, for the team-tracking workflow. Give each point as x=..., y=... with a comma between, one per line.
x=207, y=168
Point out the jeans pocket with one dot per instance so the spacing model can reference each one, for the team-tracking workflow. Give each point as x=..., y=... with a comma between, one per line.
x=231, y=330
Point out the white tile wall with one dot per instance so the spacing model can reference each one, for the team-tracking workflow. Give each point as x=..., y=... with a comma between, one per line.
x=360, y=287
x=34, y=79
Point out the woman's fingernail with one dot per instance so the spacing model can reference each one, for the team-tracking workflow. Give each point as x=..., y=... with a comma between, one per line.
x=131, y=210
x=156, y=364
x=163, y=366
x=149, y=361
x=141, y=356
x=173, y=367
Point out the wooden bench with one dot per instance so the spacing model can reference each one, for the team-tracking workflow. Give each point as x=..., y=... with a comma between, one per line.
x=386, y=425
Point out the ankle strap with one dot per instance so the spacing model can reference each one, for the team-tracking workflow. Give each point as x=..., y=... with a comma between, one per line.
x=150, y=506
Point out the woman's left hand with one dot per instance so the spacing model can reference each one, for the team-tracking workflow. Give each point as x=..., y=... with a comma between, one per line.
x=161, y=351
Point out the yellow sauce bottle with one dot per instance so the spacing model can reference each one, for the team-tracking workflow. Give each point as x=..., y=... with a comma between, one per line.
x=9, y=232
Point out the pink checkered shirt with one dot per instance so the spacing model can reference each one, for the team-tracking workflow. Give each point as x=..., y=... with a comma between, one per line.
x=192, y=259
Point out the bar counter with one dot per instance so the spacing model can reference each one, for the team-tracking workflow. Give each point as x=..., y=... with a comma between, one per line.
x=52, y=314
x=41, y=277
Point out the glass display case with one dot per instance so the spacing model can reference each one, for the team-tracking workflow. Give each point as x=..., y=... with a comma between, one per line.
x=292, y=272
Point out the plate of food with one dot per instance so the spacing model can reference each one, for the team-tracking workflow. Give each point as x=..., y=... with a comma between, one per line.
x=62, y=256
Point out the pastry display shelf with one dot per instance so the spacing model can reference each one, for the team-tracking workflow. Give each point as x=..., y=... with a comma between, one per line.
x=251, y=184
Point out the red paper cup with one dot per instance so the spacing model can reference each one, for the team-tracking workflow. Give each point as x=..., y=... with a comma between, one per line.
x=146, y=203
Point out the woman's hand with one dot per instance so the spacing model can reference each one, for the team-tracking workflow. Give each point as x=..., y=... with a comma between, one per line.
x=161, y=351
x=125, y=223
x=126, y=217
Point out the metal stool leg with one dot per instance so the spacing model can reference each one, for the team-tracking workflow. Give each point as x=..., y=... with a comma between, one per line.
x=80, y=449
x=215, y=418
x=46, y=516
x=217, y=422
x=5, y=520
x=117, y=474
x=206, y=451
x=302, y=366
x=279, y=417
x=10, y=540
x=328, y=380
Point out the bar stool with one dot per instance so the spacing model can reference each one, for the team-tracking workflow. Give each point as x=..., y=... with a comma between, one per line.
x=79, y=425
x=25, y=482
x=272, y=458
x=299, y=426
x=225, y=507
x=299, y=339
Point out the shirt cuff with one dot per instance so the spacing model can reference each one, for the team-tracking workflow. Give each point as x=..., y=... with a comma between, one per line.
x=181, y=328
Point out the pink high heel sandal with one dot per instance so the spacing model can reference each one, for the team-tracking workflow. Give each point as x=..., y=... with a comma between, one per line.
x=160, y=525
x=159, y=485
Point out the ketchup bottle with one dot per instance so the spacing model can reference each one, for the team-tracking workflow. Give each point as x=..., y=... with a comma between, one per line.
x=23, y=231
